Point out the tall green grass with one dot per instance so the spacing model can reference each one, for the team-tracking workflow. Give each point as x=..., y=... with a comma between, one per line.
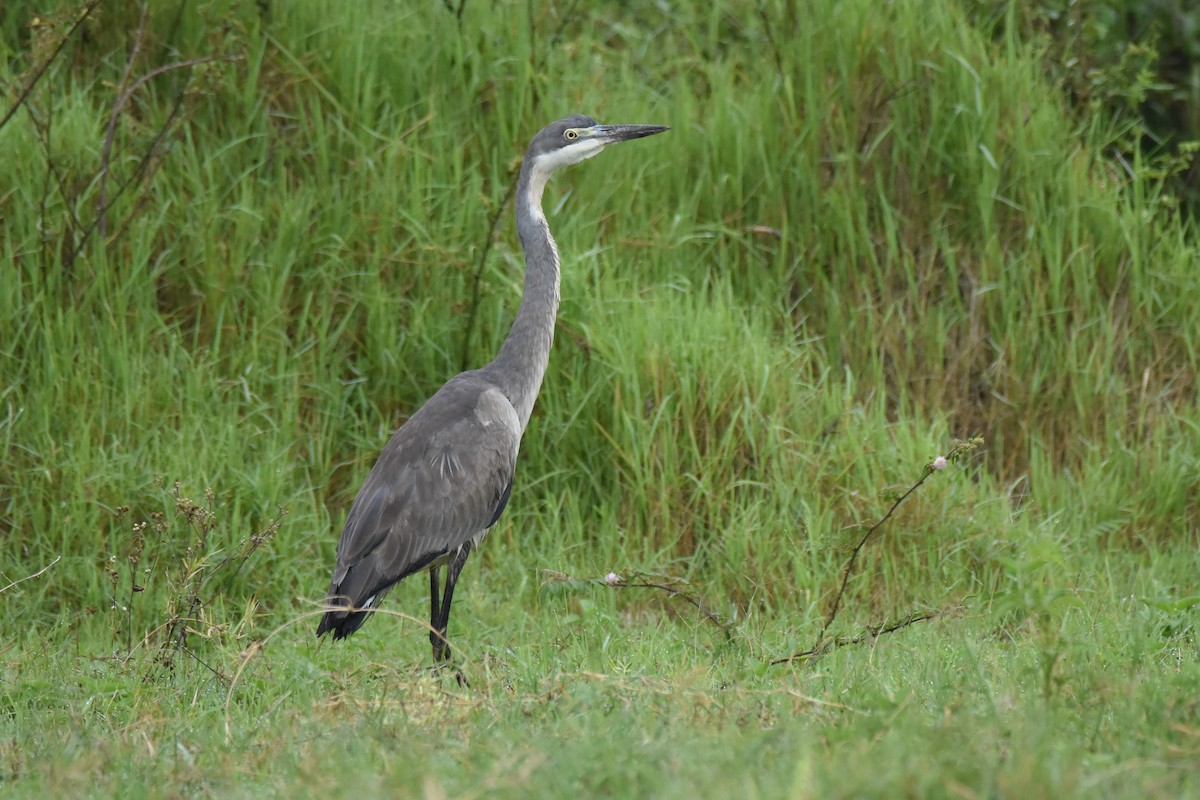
x=872, y=229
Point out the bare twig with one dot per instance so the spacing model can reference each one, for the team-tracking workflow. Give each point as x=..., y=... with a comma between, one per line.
x=959, y=448
x=154, y=73
x=147, y=157
x=873, y=632
x=849, y=568
x=143, y=171
x=45, y=65
x=106, y=150
x=535, y=68
x=673, y=592
x=637, y=580
x=34, y=575
x=483, y=257
x=51, y=179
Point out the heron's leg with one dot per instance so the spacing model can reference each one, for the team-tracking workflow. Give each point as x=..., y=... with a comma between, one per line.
x=435, y=608
x=441, y=647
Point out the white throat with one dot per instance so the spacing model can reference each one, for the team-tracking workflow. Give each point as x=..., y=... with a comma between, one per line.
x=545, y=165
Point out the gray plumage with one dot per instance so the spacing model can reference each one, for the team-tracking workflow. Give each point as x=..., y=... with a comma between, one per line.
x=444, y=477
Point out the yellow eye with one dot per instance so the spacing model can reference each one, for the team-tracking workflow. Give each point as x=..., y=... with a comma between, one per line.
x=571, y=134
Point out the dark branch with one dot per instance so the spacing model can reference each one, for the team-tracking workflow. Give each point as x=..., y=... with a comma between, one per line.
x=873, y=632
x=956, y=451
x=106, y=150
x=673, y=592
x=483, y=257
x=638, y=580
x=145, y=161
x=45, y=65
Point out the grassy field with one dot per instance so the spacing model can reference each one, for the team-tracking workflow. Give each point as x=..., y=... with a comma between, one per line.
x=242, y=242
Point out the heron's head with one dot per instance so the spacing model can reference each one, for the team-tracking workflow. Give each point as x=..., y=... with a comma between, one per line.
x=572, y=139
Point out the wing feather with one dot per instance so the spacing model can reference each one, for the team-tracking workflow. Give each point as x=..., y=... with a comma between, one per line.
x=441, y=481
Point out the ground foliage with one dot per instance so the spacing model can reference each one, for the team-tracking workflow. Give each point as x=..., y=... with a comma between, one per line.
x=243, y=241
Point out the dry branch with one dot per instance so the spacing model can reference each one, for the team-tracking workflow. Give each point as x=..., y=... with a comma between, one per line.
x=873, y=632
x=956, y=452
x=637, y=580
x=45, y=65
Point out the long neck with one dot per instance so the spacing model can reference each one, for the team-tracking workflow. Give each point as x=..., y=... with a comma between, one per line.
x=521, y=363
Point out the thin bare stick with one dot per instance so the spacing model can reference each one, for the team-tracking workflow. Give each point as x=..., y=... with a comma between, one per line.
x=638, y=580
x=873, y=632
x=143, y=171
x=154, y=73
x=673, y=592
x=959, y=448
x=106, y=150
x=45, y=65
x=849, y=568
x=34, y=575
x=149, y=154
x=483, y=256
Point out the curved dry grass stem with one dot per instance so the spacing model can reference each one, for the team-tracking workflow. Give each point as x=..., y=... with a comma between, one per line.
x=34, y=575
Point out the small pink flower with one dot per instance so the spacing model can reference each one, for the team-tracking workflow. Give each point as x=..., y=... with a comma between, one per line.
x=612, y=579
x=939, y=462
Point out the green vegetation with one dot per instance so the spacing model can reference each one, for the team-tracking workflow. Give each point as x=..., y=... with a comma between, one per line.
x=874, y=228
x=1135, y=59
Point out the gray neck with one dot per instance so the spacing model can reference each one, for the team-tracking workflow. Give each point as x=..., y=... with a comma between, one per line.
x=521, y=364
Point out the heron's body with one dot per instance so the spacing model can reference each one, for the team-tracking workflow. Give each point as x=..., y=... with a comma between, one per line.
x=444, y=478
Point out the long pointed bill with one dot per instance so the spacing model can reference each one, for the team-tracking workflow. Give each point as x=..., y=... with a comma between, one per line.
x=608, y=134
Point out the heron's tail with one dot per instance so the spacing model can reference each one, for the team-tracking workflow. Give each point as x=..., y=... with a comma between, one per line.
x=343, y=621
x=343, y=616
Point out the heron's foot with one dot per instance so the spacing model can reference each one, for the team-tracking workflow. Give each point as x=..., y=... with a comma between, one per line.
x=447, y=667
x=442, y=659
x=459, y=676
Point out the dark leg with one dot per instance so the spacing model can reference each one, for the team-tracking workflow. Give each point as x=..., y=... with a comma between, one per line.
x=441, y=648
x=435, y=609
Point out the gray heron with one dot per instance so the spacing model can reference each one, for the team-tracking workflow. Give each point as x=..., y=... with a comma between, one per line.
x=445, y=476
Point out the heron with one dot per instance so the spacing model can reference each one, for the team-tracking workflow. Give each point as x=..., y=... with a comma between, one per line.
x=444, y=478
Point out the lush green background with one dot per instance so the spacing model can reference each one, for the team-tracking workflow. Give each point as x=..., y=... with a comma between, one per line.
x=874, y=227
